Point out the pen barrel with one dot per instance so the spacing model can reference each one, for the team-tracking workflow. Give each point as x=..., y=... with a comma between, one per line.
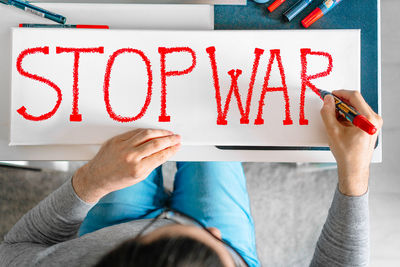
x=32, y=25
x=56, y=18
x=39, y=11
x=349, y=112
x=296, y=9
x=328, y=5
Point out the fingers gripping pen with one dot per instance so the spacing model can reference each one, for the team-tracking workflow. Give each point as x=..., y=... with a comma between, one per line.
x=351, y=114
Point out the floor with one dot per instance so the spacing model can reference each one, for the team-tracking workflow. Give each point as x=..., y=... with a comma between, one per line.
x=289, y=201
x=385, y=177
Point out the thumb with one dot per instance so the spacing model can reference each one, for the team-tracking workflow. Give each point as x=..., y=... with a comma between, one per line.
x=328, y=113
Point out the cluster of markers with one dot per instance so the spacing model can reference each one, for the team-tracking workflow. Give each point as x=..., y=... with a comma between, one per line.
x=292, y=12
x=299, y=6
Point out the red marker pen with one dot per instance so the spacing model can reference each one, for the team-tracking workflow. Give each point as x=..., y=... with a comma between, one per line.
x=63, y=26
x=351, y=114
x=319, y=12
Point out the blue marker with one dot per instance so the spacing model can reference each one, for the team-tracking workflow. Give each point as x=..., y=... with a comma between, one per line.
x=35, y=10
x=320, y=11
x=296, y=9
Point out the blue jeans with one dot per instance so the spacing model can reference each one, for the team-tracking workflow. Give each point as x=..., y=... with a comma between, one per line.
x=212, y=192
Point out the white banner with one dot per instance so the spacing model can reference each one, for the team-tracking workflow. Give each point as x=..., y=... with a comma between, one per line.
x=211, y=87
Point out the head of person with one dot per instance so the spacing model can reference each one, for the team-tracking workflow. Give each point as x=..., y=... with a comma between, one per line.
x=172, y=245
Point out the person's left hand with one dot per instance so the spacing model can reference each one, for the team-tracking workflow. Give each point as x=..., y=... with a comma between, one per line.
x=123, y=161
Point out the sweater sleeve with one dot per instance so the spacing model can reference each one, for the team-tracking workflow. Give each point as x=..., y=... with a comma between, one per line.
x=344, y=240
x=54, y=220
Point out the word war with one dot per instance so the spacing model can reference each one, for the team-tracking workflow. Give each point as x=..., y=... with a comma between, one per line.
x=222, y=109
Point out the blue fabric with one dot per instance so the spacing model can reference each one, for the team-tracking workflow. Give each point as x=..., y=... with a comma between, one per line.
x=212, y=192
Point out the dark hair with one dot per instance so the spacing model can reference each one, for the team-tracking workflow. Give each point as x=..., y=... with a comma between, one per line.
x=177, y=251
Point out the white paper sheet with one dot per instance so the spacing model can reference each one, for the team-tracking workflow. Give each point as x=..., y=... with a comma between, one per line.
x=190, y=99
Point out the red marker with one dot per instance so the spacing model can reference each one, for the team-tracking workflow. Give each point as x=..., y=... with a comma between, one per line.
x=351, y=114
x=275, y=5
x=80, y=26
x=319, y=12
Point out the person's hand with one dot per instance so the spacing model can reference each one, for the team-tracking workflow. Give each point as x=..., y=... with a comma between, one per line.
x=123, y=161
x=351, y=146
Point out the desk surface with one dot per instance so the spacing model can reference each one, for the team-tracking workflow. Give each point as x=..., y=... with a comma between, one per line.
x=252, y=16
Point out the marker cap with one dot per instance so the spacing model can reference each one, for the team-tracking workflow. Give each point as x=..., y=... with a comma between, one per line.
x=362, y=122
x=275, y=5
x=312, y=17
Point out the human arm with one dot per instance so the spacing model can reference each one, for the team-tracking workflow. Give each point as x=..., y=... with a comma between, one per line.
x=351, y=147
x=57, y=218
x=344, y=240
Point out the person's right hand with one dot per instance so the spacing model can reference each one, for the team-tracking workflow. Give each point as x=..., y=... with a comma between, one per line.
x=124, y=160
x=351, y=146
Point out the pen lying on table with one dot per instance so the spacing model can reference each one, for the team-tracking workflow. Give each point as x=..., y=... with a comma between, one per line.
x=35, y=10
x=78, y=26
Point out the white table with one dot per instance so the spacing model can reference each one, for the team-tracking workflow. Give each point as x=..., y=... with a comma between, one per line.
x=121, y=16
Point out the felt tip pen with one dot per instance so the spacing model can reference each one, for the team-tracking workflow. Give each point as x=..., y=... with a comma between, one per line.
x=275, y=5
x=351, y=114
x=296, y=9
x=24, y=5
x=319, y=12
x=79, y=26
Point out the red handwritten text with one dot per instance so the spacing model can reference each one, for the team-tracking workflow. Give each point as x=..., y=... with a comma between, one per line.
x=305, y=78
x=222, y=114
x=275, y=53
x=164, y=74
x=22, y=110
x=75, y=116
x=106, y=87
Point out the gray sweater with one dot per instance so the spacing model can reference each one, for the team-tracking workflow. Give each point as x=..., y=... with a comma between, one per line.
x=47, y=234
